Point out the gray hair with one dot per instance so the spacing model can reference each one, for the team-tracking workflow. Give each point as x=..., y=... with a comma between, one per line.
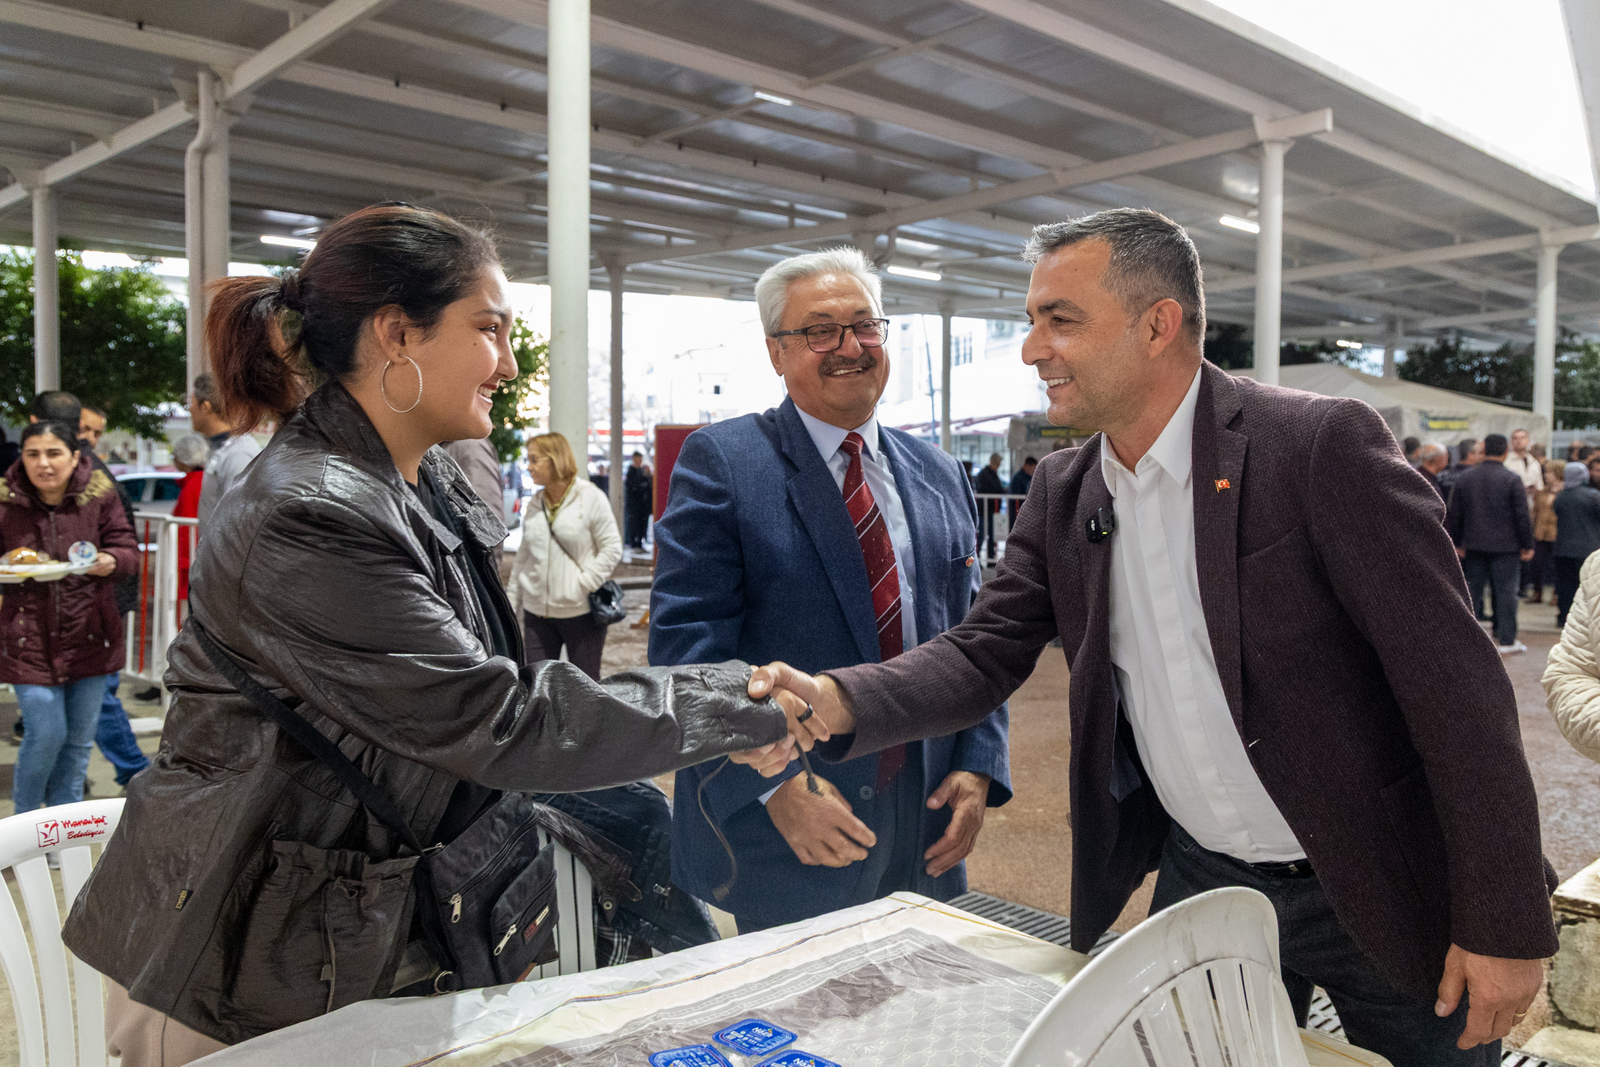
x=1432, y=451
x=206, y=391
x=772, y=288
x=191, y=450
x=1152, y=259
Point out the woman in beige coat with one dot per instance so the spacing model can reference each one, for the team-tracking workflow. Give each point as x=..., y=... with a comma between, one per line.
x=570, y=546
x=1572, y=676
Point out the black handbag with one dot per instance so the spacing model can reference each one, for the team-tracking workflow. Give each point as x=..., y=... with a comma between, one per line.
x=486, y=901
x=605, y=603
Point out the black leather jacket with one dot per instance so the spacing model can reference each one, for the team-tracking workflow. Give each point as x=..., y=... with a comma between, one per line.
x=325, y=576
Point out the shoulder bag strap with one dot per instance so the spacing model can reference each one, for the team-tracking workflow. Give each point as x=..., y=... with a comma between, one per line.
x=551, y=526
x=302, y=731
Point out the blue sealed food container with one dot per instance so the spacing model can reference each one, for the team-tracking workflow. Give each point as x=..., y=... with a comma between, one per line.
x=754, y=1037
x=688, y=1056
x=795, y=1058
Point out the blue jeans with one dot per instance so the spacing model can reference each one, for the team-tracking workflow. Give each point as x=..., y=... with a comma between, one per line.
x=59, y=723
x=115, y=736
x=1315, y=949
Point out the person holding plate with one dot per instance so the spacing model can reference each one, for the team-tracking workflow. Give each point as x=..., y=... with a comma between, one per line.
x=59, y=639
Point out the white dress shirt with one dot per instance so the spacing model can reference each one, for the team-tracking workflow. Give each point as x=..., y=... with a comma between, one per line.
x=1162, y=660
x=880, y=480
x=1528, y=468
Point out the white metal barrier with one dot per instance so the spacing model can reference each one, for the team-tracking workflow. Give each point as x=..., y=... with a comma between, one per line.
x=152, y=625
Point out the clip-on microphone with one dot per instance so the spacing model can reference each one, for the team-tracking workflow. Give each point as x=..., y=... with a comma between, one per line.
x=1101, y=525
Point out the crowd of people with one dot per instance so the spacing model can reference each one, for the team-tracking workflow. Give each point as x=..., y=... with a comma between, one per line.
x=385, y=706
x=1513, y=544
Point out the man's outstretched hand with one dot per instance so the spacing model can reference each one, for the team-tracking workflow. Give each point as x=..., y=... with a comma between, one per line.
x=797, y=689
x=1498, y=993
x=793, y=690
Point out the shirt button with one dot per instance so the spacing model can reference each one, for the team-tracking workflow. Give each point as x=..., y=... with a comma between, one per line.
x=867, y=792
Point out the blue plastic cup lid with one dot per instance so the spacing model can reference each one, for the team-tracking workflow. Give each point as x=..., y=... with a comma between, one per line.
x=754, y=1037
x=795, y=1058
x=688, y=1056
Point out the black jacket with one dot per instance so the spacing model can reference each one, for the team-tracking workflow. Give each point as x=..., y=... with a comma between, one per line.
x=1577, y=522
x=1488, y=511
x=329, y=580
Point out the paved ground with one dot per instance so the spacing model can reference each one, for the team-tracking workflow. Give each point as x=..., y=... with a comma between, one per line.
x=1024, y=853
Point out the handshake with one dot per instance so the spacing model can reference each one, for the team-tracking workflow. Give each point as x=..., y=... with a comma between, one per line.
x=815, y=707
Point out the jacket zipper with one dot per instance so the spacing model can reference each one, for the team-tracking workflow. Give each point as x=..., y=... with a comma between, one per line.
x=54, y=632
x=455, y=901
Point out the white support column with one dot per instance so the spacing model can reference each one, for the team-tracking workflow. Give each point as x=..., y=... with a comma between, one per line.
x=614, y=456
x=46, y=293
x=946, y=441
x=569, y=221
x=1269, y=261
x=1391, y=344
x=1544, y=335
x=217, y=202
x=194, y=228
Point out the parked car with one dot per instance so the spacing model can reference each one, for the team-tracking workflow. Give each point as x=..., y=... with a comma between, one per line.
x=153, y=490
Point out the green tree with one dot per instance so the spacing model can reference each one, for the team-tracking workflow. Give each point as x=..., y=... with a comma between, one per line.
x=1506, y=374
x=514, y=402
x=122, y=342
x=1229, y=348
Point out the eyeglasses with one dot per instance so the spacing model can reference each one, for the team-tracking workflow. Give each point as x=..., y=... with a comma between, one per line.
x=828, y=336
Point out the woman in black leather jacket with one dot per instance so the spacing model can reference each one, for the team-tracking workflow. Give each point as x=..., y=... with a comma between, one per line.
x=351, y=573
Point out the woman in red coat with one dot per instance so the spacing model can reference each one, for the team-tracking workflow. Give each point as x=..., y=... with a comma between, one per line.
x=189, y=455
x=59, y=640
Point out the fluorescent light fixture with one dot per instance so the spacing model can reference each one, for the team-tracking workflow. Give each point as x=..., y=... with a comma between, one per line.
x=913, y=272
x=1237, y=223
x=771, y=98
x=1349, y=344
x=288, y=242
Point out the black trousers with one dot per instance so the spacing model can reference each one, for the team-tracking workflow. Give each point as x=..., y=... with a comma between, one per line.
x=1316, y=950
x=986, y=528
x=584, y=638
x=1567, y=571
x=1502, y=570
x=1540, y=567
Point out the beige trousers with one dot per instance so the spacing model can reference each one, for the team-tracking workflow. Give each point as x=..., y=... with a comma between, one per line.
x=144, y=1037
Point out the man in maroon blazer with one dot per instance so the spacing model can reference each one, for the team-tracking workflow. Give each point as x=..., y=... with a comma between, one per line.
x=1237, y=572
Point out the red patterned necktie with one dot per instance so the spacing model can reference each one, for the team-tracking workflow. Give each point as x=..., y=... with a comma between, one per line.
x=883, y=576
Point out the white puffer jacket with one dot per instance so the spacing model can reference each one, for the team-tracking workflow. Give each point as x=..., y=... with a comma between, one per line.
x=553, y=576
x=1572, y=676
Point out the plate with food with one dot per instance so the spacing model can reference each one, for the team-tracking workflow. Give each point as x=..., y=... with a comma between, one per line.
x=25, y=564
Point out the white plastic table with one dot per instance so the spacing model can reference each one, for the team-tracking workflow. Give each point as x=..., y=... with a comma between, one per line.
x=900, y=982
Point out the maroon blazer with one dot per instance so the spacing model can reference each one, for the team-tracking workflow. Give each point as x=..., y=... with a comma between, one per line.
x=1372, y=705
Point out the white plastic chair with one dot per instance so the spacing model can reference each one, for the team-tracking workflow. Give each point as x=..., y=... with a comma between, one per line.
x=574, y=916
x=1197, y=985
x=67, y=830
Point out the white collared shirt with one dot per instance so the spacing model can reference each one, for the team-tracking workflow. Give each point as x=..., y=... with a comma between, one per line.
x=1162, y=660
x=1528, y=468
x=880, y=480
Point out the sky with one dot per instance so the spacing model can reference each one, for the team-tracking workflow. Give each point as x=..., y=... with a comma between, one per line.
x=1498, y=69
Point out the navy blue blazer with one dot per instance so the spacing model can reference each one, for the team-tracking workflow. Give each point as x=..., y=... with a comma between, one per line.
x=758, y=560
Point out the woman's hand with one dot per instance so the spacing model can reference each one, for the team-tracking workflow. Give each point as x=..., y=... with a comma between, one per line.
x=105, y=564
x=805, y=727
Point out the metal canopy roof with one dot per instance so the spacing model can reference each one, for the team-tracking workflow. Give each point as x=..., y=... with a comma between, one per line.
x=953, y=126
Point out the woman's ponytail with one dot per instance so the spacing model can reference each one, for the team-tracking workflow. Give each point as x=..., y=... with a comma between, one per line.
x=273, y=339
x=245, y=338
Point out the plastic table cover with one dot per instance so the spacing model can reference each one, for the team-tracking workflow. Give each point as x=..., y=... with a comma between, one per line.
x=900, y=982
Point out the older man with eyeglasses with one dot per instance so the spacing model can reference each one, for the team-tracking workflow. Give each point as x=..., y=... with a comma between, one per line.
x=809, y=533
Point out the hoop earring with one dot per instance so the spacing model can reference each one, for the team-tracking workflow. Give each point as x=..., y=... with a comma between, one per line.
x=383, y=387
